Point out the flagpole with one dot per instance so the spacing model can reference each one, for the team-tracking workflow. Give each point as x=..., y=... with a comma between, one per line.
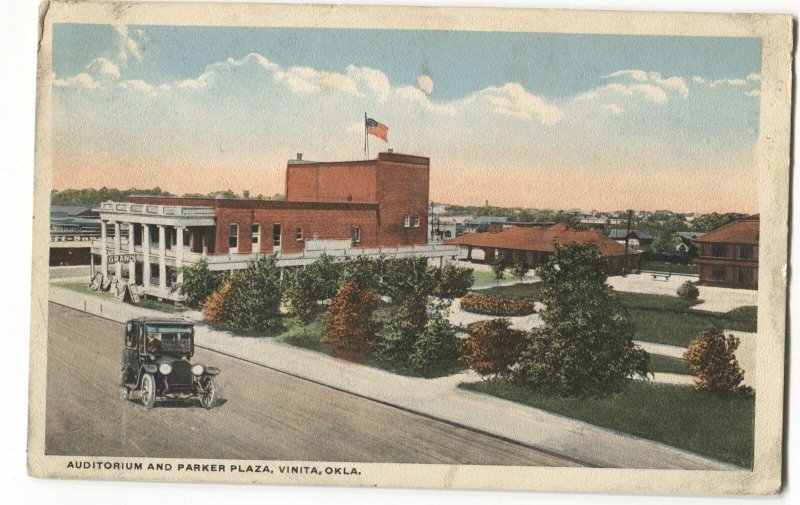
x=366, y=148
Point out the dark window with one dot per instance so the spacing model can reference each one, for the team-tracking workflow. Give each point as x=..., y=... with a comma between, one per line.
x=233, y=236
x=746, y=252
x=718, y=273
x=744, y=275
x=276, y=235
x=718, y=250
x=355, y=234
x=255, y=231
x=130, y=335
x=298, y=234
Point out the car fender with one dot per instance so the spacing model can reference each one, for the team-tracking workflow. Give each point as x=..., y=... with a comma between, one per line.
x=211, y=370
x=150, y=368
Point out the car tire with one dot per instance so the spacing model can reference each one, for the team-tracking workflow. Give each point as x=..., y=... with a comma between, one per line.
x=125, y=392
x=209, y=392
x=148, y=390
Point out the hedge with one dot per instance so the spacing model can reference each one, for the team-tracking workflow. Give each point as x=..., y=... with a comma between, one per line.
x=496, y=306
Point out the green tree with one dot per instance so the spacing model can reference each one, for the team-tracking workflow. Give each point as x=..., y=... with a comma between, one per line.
x=199, y=283
x=301, y=294
x=585, y=346
x=499, y=267
x=453, y=281
x=365, y=271
x=327, y=274
x=408, y=279
x=255, y=297
x=519, y=270
x=436, y=349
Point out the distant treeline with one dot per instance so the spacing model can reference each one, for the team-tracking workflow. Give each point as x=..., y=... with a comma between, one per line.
x=92, y=196
x=517, y=214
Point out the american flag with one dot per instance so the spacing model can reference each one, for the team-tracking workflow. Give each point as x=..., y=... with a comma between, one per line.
x=377, y=129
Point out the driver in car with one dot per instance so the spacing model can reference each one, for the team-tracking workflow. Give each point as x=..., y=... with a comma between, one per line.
x=152, y=345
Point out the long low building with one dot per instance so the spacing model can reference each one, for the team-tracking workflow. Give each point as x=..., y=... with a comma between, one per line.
x=728, y=256
x=533, y=245
x=342, y=209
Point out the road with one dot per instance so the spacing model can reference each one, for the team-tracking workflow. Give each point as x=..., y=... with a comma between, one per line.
x=263, y=415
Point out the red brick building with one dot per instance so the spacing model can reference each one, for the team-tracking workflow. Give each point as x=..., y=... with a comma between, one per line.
x=533, y=245
x=349, y=208
x=728, y=256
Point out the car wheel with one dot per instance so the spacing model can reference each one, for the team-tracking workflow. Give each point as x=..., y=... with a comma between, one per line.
x=125, y=392
x=209, y=392
x=148, y=390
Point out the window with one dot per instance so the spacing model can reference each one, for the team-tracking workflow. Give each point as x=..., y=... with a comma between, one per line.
x=746, y=252
x=233, y=236
x=255, y=231
x=355, y=234
x=276, y=235
x=718, y=273
x=298, y=234
x=416, y=220
x=744, y=275
x=406, y=221
x=718, y=250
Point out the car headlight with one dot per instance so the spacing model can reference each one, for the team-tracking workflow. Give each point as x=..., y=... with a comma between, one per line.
x=165, y=368
x=198, y=369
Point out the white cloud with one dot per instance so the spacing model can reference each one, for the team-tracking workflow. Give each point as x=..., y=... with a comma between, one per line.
x=754, y=77
x=674, y=83
x=753, y=92
x=512, y=99
x=614, y=109
x=650, y=92
x=729, y=82
x=373, y=80
x=103, y=68
x=698, y=79
x=82, y=80
x=127, y=45
x=137, y=85
x=425, y=83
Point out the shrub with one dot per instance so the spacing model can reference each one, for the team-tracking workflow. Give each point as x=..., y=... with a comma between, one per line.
x=326, y=275
x=519, y=270
x=496, y=306
x=492, y=347
x=585, y=346
x=199, y=283
x=408, y=278
x=349, y=328
x=453, y=281
x=363, y=270
x=301, y=291
x=214, y=307
x=400, y=334
x=436, y=348
x=688, y=291
x=712, y=362
x=499, y=268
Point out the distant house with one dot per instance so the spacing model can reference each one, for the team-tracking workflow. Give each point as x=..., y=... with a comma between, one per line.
x=687, y=239
x=482, y=223
x=636, y=238
x=533, y=245
x=728, y=256
x=72, y=228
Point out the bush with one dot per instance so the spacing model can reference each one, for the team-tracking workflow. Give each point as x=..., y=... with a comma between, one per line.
x=585, y=346
x=492, y=347
x=712, y=362
x=199, y=283
x=408, y=278
x=399, y=336
x=214, y=309
x=327, y=277
x=349, y=328
x=436, y=348
x=496, y=306
x=364, y=271
x=499, y=268
x=688, y=291
x=301, y=291
x=453, y=281
x=519, y=270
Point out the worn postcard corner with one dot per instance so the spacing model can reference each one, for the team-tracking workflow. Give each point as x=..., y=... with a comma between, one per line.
x=406, y=247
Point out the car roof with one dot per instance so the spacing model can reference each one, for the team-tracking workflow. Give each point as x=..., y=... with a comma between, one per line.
x=161, y=320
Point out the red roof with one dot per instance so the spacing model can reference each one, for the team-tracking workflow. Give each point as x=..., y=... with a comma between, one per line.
x=540, y=239
x=744, y=231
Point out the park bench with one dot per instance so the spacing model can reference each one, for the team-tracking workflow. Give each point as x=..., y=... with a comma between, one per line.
x=662, y=276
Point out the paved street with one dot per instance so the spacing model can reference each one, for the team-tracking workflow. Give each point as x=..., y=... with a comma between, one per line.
x=263, y=414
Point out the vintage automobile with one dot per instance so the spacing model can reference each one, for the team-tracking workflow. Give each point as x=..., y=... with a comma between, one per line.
x=156, y=363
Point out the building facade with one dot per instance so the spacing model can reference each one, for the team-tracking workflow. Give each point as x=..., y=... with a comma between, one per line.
x=728, y=256
x=342, y=209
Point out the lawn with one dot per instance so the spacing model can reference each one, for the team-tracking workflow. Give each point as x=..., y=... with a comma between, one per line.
x=146, y=303
x=679, y=416
x=657, y=318
x=666, y=364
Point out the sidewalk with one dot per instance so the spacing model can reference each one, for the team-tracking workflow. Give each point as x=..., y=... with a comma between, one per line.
x=439, y=399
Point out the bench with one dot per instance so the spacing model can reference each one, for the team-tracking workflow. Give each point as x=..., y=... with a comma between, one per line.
x=662, y=276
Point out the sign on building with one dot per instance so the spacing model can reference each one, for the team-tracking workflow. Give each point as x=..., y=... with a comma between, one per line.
x=121, y=258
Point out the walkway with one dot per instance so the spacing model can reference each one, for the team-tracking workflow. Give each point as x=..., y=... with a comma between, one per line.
x=439, y=399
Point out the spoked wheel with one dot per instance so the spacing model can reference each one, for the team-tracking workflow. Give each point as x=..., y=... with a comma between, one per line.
x=125, y=392
x=148, y=391
x=209, y=392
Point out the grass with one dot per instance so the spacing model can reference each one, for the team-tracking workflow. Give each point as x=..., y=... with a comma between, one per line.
x=717, y=427
x=662, y=266
x=666, y=364
x=146, y=303
x=657, y=318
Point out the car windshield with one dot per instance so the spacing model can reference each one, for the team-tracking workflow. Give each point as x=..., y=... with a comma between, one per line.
x=168, y=338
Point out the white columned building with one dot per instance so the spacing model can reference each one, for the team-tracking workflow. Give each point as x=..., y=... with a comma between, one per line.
x=104, y=249
x=162, y=259
x=117, y=250
x=146, y=256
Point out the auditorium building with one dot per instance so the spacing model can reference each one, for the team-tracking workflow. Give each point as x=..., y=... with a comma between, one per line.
x=342, y=209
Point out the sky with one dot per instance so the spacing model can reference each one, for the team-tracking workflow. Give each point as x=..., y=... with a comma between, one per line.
x=533, y=120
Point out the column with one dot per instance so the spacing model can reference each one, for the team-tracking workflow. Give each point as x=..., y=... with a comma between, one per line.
x=103, y=249
x=146, y=254
x=162, y=259
x=117, y=264
x=179, y=253
x=132, y=251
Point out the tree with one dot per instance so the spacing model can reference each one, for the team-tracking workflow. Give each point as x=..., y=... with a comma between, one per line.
x=349, y=328
x=364, y=270
x=453, y=281
x=712, y=361
x=299, y=291
x=665, y=242
x=585, y=346
x=199, y=283
x=499, y=267
x=408, y=279
x=397, y=340
x=688, y=291
x=519, y=270
x=436, y=349
x=326, y=274
x=492, y=347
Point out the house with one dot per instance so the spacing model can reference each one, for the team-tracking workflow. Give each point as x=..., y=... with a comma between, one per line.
x=482, y=223
x=72, y=228
x=728, y=256
x=343, y=209
x=533, y=245
x=640, y=239
x=687, y=239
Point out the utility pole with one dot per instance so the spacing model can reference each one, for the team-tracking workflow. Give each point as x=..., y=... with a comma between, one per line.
x=626, y=263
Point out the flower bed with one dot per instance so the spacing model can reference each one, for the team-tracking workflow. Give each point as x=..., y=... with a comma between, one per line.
x=496, y=306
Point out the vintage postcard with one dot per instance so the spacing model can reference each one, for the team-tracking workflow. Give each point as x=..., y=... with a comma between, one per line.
x=411, y=247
